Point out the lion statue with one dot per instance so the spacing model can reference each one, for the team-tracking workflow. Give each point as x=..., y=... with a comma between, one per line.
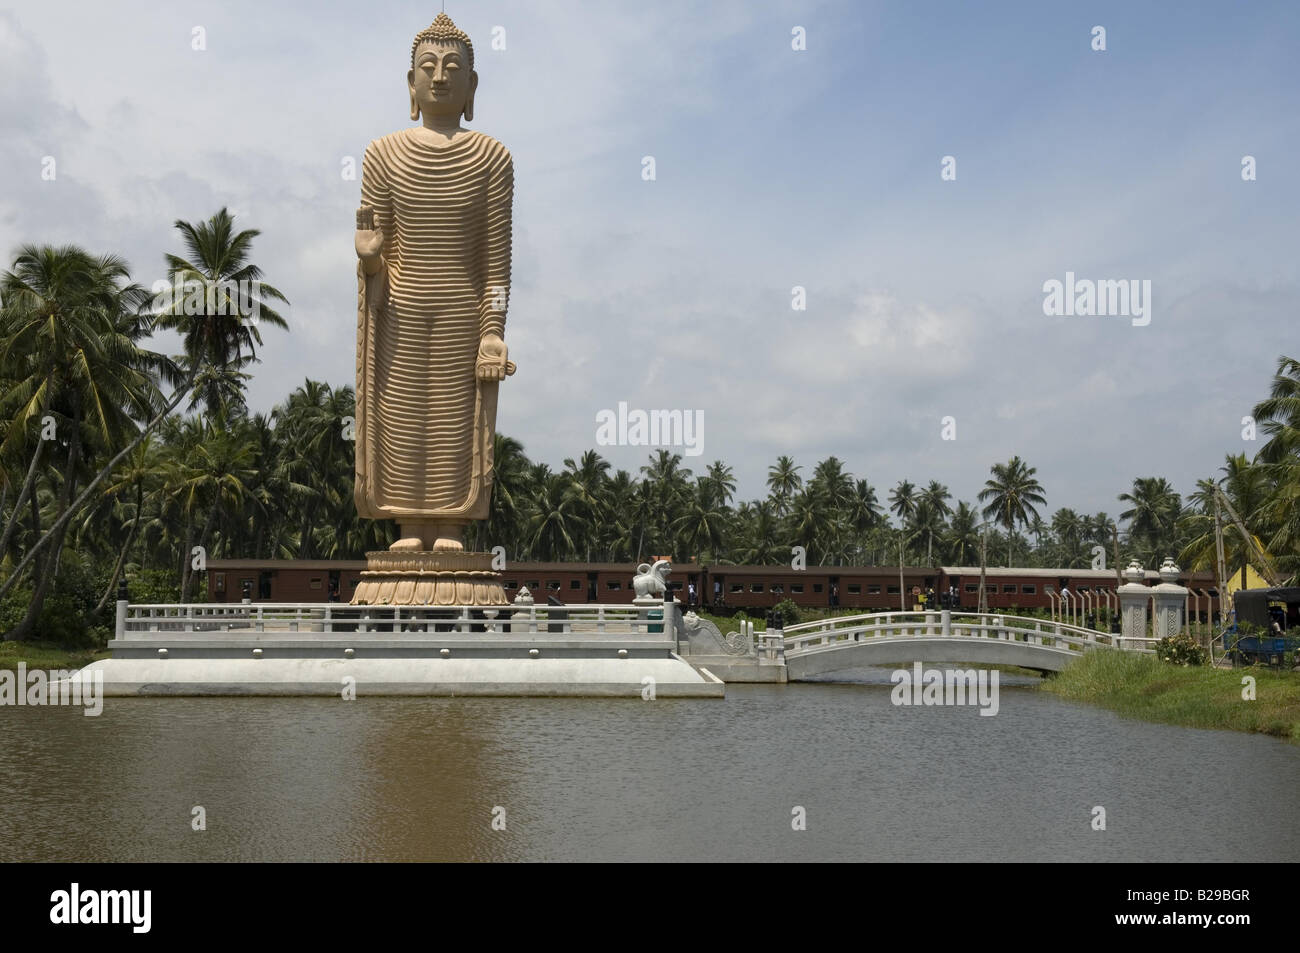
x=651, y=581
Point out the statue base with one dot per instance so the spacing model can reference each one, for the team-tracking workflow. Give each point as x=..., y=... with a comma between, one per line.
x=420, y=578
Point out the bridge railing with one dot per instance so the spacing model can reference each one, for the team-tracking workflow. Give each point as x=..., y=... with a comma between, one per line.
x=262, y=617
x=832, y=633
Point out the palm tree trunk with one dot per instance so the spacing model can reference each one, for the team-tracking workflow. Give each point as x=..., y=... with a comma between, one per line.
x=90, y=487
x=126, y=546
x=27, y=627
x=190, y=575
x=28, y=484
x=187, y=541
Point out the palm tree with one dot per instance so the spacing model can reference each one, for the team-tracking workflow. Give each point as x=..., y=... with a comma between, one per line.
x=1152, y=516
x=216, y=301
x=784, y=482
x=760, y=534
x=218, y=479
x=215, y=331
x=70, y=350
x=702, y=525
x=721, y=481
x=510, y=484
x=1248, y=490
x=587, y=484
x=135, y=478
x=927, y=521
x=963, y=537
x=1011, y=494
x=318, y=456
x=668, y=485
x=554, y=525
x=863, y=513
x=902, y=500
x=1279, y=417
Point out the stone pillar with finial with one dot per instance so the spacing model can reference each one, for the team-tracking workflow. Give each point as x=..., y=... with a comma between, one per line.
x=1170, y=601
x=1133, y=598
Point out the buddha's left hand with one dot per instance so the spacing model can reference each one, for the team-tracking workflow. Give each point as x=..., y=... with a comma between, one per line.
x=492, y=363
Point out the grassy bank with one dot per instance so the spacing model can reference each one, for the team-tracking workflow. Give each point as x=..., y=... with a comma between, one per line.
x=46, y=656
x=1141, y=686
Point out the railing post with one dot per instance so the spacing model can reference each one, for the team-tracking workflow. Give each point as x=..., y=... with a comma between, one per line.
x=670, y=619
x=945, y=622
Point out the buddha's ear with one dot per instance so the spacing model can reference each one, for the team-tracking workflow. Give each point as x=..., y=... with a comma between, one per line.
x=410, y=86
x=469, y=100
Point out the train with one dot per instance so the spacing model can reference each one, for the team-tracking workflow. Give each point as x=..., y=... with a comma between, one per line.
x=724, y=589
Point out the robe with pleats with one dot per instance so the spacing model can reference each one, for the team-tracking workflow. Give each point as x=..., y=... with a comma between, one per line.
x=425, y=425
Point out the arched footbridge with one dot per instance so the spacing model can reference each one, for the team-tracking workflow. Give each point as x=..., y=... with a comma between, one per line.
x=899, y=638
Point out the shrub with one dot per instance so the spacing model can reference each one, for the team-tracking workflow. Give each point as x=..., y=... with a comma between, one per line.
x=68, y=617
x=787, y=610
x=153, y=586
x=1181, y=649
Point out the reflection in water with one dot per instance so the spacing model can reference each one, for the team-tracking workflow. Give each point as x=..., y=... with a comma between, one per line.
x=417, y=779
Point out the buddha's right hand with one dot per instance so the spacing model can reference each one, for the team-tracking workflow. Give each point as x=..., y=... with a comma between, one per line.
x=369, y=239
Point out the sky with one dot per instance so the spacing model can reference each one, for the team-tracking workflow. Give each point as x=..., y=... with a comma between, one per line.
x=774, y=168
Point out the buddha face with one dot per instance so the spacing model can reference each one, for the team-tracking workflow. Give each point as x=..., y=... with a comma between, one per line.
x=441, y=82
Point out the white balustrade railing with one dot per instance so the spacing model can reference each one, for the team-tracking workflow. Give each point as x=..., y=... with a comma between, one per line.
x=826, y=634
x=330, y=617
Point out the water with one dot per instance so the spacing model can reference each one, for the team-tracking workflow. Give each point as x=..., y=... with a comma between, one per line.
x=581, y=779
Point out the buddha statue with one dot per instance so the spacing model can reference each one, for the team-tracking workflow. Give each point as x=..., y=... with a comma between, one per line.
x=433, y=247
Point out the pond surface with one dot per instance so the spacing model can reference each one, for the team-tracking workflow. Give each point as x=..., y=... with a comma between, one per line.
x=580, y=779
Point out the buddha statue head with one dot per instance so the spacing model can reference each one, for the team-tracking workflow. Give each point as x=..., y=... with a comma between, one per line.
x=442, y=78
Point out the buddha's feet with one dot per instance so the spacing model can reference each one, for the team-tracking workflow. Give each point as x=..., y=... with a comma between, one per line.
x=441, y=536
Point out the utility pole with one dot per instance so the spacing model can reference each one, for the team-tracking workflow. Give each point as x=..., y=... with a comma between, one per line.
x=1264, y=562
x=902, y=594
x=984, y=597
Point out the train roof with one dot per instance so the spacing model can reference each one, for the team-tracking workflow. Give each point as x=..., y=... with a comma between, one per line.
x=1100, y=575
x=992, y=572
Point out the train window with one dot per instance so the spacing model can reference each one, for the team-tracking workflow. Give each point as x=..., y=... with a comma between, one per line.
x=991, y=589
x=315, y=582
x=221, y=582
x=1009, y=587
x=553, y=585
x=817, y=587
x=873, y=590
x=796, y=587
x=737, y=587
x=1083, y=588
x=675, y=586
x=510, y=584
x=1028, y=590
x=575, y=584
x=893, y=590
x=778, y=588
x=973, y=587
x=756, y=587
x=855, y=590
x=613, y=586
x=533, y=584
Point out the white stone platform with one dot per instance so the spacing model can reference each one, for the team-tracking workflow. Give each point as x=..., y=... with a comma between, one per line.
x=323, y=649
x=670, y=677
